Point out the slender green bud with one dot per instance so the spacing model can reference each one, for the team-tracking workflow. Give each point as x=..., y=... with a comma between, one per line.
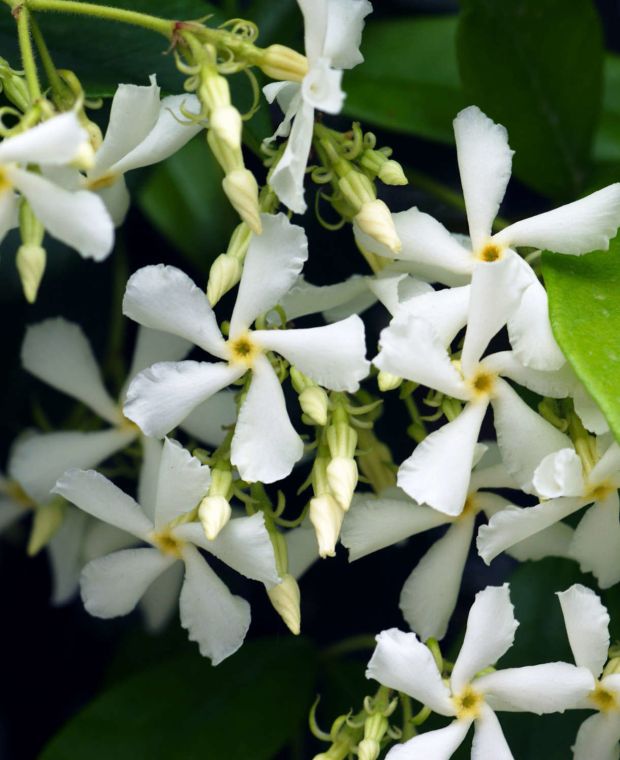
x=47, y=520
x=242, y=191
x=30, y=262
x=280, y=62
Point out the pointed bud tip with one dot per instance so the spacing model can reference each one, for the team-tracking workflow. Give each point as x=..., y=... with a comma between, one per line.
x=285, y=598
x=326, y=516
x=214, y=513
x=375, y=219
x=30, y=262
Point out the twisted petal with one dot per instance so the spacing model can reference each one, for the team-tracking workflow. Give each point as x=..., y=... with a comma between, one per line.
x=54, y=142
x=596, y=543
x=446, y=310
x=321, y=87
x=155, y=346
x=489, y=740
x=160, y=600
x=116, y=199
x=65, y=553
x=208, y=422
x=288, y=97
x=597, y=738
x=213, y=617
x=265, y=445
x=181, y=484
x=149, y=475
x=287, y=179
x=555, y=383
x=393, y=288
x=560, y=474
x=345, y=22
x=587, y=627
x=440, y=744
x=315, y=13
x=490, y=633
x=554, y=541
x=335, y=302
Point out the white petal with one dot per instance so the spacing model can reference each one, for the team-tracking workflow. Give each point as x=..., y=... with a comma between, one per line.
x=560, y=474
x=8, y=212
x=182, y=482
x=101, y=538
x=588, y=410
x=335, y=302
x=555, y=383
x=213, y=617
x=345, y=22
x=116, y=199
x=162, y=396
x=315, y=13
x=334, y=356
x=596, y=543
x=149, y=475
x=321, y=87
x=164, y=298
x=113, y=585
x=597, y=738
x=58, y=352
x=386, y=287
x=485, y=162
x=587, y=627
x=287, y=178
x=65, y=552
x=39, y=460
x=524, y=437
x=446, y=310
x=133, y=114
x=514, y=524
x=439, y=470
x=429, y=595
x=400, y=661
x=98, y=496
x=273, y=262
x=490, y=633
x=489, y=740
x=161, y=598
x=155, y=346
x=56, y=141
x=608, y=466
x=302, y=549
x=288, y=97
x=411, y=348
x=209, y=420
x=554, y=541
x=374, y=523
x=551, y=687
x=265, y=445
x=440, y=744
x=582, y=226
x=243, y=544
x=78, y=219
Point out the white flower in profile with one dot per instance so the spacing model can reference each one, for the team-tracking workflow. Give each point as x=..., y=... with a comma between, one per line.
x=333, y=32
x=265, y=445
x=587, y=626
x=429, y=595
x=565, y=486
x=470, y=695
x=112, y=585
x=485, y=159
x=78, y=218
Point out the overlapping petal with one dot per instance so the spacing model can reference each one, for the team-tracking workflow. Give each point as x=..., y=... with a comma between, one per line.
x=587, y=627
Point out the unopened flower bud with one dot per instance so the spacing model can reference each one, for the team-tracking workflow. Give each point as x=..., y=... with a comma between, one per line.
x=280, y=62
x=342, y=440
x=374, y=218
x=387, y=381
x=214, y=513
x=391, y=173
x=84, y=159
x=30, y=264
x=326, y=516
x=342, y=478
x=285, y=598
x=225, y=121
x=314, y=403
x=47, y=519
x=242, y=190
x=368, y=749
x=224, y=274
x=357, y=189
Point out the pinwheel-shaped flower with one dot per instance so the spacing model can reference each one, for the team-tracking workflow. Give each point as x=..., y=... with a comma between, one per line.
x=333, y=31
x=265, y=445
x=112, y=585
x=402, y=662
x=566, y=487
x=485, y=160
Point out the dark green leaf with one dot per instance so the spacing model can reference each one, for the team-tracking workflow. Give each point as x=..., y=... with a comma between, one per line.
x=409, y=80
x=583, y=305
x=607, y=142
x=536, y=66
x=248, y=707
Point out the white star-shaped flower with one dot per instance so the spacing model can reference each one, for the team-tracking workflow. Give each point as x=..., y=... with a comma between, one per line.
x=333, y=32
x=265, y=445
x=402, y=662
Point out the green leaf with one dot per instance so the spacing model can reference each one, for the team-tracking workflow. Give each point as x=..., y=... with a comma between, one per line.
x=583, y=307
x=409, y=80
x=607, y=141
x=248, y=707
x=183, y=199
x=536, y=66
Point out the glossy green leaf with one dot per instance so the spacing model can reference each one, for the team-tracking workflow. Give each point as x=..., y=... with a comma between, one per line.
x=248, y=707
x=536, y=66
x=409, y=81
x=585, y=316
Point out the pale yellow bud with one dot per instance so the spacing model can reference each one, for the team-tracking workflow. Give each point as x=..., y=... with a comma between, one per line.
x=368, y=749
x=314, y=403
x=280, y=62
x=224, y=274
x=30, y=264
x=387, y=381
x=342, y=440
x=47, y=519
x=374, y=218
x=391, y=173
x=242, y=190
x=326, y=517
x=214, y=92
x=357, y=189
x=214, y=513
x=225, y=121
x=342, y=478
x=285, y=598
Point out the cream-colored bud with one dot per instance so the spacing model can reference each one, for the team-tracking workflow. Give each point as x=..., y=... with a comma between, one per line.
x=342, y=478
x=224, y=274
x=47, y=519
x=242, y=190
x=342, y=440
x=314, y=403
x=391, y=173
x=30, y=264
x=368, y=749
x=214, y=513
x=375, y=219
x=214, y=92
x=387, y=381
x=326, y=516
x=357, y=189
x=84, y=159
x=280, y=62
x=225, y=121
x=285, y=598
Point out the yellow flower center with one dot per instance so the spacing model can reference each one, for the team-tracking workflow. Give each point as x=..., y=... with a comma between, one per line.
x=470, y=507
x=482, y=383
x=106, y=180
x=5, y=182
x=167, y=543
x=490, y=252
x=242, y=350
x=601, y=491
x=604, y=699
x=468, y=704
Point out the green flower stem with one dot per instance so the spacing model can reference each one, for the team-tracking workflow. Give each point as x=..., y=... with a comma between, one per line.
x=46, y=59
x=25, y=46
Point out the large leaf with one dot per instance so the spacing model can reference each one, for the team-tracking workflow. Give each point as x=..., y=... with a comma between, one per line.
x=607, y=142
x=409, y=80
x=585, y=317
x=536, y=66
x=248, y=707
